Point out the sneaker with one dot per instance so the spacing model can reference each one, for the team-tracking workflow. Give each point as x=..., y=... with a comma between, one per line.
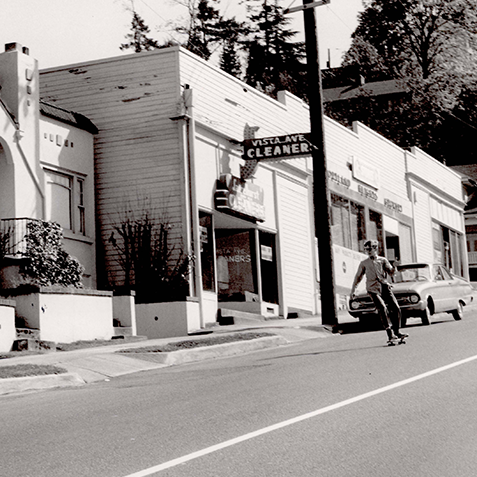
x=402, y=335
x=392, y=341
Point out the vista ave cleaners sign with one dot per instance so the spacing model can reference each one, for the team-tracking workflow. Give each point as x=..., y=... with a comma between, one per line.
x=291, y=145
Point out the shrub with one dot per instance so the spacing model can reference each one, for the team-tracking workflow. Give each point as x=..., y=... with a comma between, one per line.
x=155, y=269
x=48, y=263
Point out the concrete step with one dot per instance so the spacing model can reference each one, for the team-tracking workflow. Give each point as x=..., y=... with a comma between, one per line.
x=123, y=331
x=227, y=316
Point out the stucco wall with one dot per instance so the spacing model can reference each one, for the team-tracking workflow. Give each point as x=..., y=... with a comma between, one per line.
x=7, y=325
x=65, y=317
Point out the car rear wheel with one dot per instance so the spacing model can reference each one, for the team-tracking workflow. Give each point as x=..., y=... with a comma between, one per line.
x=459, y=312
x=426, y=316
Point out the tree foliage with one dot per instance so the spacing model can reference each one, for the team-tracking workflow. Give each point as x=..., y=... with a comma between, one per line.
x=430, y=45
x=425, y=35
x=138, y=39
x=274, y=61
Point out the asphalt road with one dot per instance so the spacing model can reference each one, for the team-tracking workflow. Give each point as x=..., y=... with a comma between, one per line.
x=346, y=405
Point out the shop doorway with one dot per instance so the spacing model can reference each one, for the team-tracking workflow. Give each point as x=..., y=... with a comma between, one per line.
x=393, y=252
x=268, y=268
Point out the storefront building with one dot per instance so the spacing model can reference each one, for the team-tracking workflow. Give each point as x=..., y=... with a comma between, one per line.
x=171, y=132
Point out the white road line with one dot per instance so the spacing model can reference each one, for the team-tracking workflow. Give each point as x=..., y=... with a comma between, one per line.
x=289, y=422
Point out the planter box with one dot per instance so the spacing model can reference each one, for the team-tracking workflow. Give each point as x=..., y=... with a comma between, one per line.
x=166, y=320
x=66, y=315
x=7, y=325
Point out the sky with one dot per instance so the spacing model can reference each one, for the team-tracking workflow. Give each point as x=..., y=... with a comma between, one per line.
x=63, y=32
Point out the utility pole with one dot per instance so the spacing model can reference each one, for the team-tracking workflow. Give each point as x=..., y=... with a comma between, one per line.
x=321, y=194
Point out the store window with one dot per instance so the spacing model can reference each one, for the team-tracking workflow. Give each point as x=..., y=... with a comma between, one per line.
x=348, y=225
x=207, y=251
x=236, y=273
x=448, y=248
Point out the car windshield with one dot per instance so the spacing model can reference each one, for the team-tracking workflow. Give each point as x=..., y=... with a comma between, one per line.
x=412, y=274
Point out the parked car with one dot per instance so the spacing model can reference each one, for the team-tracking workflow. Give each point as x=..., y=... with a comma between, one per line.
x=422, y=290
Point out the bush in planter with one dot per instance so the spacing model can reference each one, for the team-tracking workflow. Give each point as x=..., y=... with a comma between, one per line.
x=155, y=269
x=47, y=262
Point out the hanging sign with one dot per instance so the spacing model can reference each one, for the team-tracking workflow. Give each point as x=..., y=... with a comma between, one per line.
x=242, y=198
x=291, y=145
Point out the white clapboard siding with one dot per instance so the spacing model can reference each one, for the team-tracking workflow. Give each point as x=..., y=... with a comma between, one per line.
x=295, y=244
x=137, y=150
x=422, y=225
x=384, y=156
x=227, y=104
x=435, y=173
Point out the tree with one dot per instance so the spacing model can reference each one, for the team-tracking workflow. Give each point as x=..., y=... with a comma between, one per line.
x=203, y=26
x=430, y=46
x=274, y=62
x=138, y=39
x=410, y=34
x=230, y=32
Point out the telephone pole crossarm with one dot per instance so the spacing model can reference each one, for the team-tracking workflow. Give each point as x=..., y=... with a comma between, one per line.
x=305, y=7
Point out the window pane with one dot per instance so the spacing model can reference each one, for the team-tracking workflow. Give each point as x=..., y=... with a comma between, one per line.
x=358, y=227
x=235, y=270
x=207, y=251
x=340, y=222
x=59, y=198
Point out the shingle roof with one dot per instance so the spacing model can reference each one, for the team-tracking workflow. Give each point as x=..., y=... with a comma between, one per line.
x=70, y=117
x=377, y=88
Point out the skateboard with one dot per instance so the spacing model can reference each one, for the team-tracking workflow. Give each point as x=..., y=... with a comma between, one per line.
x=394, y=342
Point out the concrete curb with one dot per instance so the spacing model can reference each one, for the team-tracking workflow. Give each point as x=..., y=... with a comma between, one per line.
x=210, y=352
x=30, y=383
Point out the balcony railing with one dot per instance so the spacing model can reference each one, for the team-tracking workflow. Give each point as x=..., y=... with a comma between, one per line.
x=472, y=256
x=12, y=233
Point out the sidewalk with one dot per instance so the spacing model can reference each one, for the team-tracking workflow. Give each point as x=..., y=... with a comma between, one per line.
x=103, y=363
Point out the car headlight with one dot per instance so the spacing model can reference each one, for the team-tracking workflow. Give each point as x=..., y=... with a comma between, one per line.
x=354, y=305
x=414, y=298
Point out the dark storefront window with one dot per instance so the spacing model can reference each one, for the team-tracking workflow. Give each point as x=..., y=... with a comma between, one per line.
x=375, y=229
x=268, y=265
x=207, y=251
x=448, y=248
x=236, y=274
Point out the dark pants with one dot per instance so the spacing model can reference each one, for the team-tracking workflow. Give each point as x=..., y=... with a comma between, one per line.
x=388, y=309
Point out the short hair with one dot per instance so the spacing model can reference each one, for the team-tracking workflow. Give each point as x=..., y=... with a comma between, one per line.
x=371, y=244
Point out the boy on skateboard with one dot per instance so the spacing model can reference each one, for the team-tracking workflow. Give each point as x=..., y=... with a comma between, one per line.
x=379, y=289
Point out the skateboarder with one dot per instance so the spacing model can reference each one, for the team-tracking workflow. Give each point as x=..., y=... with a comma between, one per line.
x=379, y=289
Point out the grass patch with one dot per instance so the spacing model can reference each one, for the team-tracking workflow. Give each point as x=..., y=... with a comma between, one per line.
x=197, y=343
x=23, y=370
x=95, y=343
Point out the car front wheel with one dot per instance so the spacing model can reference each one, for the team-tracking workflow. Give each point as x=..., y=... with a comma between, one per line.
x=459, y=312
x=426, y=316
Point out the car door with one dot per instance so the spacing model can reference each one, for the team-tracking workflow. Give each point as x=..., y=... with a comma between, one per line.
x=452, y=291
x=457, y=289
x=441, y=291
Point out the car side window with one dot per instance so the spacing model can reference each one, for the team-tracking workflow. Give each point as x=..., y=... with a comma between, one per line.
x=437, y=273
x=446, y=274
